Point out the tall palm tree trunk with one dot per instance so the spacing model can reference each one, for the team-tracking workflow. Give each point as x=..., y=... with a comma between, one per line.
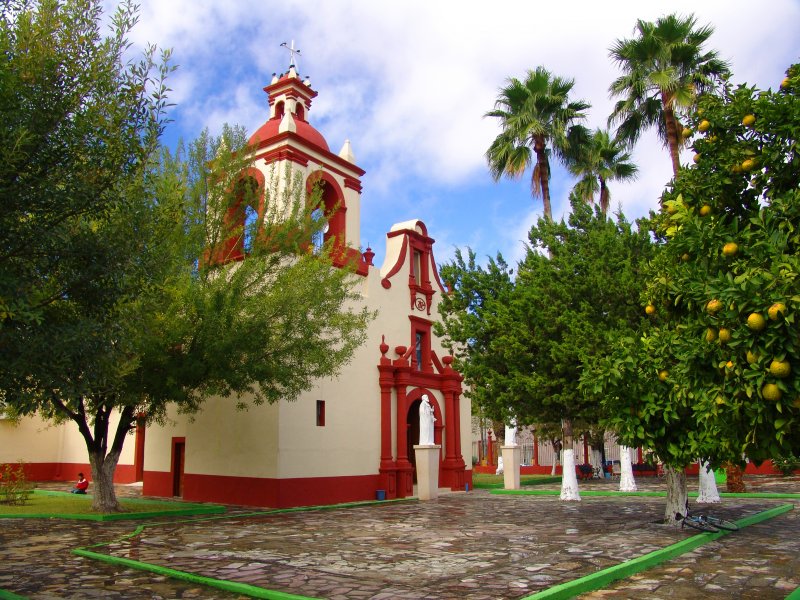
x=672, y=133
x=544, y=179
x=604, y=196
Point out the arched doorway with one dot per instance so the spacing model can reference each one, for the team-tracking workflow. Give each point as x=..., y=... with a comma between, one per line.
x=412, y=420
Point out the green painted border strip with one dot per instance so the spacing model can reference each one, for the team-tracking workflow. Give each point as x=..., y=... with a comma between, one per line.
x=184, y=512
x=596, y=493
x=601, y=579
x=222, y=584
x=183, y=509
x=795, y=595
x=4, y=595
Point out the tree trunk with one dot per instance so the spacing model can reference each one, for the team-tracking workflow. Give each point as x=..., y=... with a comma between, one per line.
x=626, y=481
x=104, y=498
x=735, y=482
x=569, y=479
x=544, y=178
x=557, y=445
x=604, y=196
x=707, y=486
x=676, y=494
x=673, y=143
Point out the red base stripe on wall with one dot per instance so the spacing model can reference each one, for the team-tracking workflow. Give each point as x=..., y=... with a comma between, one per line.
x=69, y=472
x=265, y=492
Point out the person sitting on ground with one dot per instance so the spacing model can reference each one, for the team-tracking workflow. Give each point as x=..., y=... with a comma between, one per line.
x=81, y=486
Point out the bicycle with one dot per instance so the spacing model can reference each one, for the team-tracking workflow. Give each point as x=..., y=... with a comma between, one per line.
x=702, y=522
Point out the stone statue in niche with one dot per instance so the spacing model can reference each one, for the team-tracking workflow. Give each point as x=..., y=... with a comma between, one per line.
x=426, y=420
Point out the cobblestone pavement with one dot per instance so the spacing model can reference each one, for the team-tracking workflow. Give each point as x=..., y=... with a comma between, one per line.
x=475, y=545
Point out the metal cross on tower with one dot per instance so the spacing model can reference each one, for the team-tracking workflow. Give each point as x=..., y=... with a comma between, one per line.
x=292, y=53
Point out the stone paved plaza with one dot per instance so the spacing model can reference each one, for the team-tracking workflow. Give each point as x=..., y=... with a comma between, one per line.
x=464, y=545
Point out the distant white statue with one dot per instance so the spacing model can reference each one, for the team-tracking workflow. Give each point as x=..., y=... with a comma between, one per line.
x=511, y=433
x=499, y=470
x=426, y=420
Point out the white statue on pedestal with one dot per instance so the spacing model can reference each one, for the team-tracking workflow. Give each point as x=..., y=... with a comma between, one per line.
x=426, y=420
x=511, y=433
x=707, y=486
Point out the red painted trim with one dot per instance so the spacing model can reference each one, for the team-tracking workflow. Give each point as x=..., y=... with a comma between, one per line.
x=292, y=87
x=138, y=453
x=53, y=471
x=269, y=492
x=277, y=145
x=398, y=265
x=353, y=184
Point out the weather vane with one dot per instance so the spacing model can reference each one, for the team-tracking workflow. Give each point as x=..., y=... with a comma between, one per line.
x=292, y=53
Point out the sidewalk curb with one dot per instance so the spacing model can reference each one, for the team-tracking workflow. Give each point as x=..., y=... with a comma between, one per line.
x=603, y=578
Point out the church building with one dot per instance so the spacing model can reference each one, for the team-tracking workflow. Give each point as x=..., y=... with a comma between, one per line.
x=350, y=437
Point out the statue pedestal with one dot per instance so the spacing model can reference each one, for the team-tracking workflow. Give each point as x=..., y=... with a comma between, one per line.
x=427, y=471
x=511, y=459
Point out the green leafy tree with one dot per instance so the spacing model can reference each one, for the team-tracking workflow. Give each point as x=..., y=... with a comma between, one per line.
x=529, y=339
x=126, y=297
x=537, y=118
x=718, y=374
x=597, y=162
x=664, y=70
x=469, y=320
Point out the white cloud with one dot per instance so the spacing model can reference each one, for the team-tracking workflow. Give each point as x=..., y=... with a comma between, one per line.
x=408, y=83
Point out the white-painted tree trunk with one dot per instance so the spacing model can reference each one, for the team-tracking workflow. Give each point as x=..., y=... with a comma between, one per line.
x=569, y=479
x=626, y=481
x=555, y=464
x=707, y=492
x=676, y=493
x=597, y=459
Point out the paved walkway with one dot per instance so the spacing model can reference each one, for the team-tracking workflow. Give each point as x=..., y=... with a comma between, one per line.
x=475, y=545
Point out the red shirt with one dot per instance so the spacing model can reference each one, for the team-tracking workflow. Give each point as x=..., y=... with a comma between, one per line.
x=82, y=485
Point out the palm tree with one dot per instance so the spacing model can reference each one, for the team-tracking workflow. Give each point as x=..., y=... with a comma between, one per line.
x=664, y=69
x=600, y=160
x=534, y=113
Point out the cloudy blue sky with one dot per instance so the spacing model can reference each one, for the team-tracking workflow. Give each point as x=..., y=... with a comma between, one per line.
x=408, y=84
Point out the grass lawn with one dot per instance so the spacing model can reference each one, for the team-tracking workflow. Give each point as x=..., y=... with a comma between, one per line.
x=487, y=480
x=72, y=506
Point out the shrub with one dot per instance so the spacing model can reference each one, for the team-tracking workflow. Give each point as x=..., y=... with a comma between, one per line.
x=787, y=464
x=14, y=488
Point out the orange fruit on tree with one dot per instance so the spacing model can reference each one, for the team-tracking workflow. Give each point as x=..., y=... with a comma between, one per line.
x=785, y=83
x=663, y=374
x=748, y=120
x=780, y=368
x=711, y=334
x=748, y=165
x=650, y=309
x=685, y=257
x=752, y=357
x=771, y=392
x=756, y=321
x=724, y=335
x=705, y=210
x=704, y=126
x=686, y=132
x=714, y=306
x=775, y=310
x=730, y=249
x=696, y=158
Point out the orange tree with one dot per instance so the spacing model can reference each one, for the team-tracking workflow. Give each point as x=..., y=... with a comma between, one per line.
x=717, y=373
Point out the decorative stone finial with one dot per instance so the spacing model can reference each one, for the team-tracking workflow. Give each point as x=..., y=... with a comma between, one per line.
x=287, y=123
x=347, y=152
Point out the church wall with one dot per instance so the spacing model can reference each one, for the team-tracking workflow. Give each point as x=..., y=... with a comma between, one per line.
x=55, y=452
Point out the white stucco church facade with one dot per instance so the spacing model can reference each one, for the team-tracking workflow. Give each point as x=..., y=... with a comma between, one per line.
x=347, y=438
